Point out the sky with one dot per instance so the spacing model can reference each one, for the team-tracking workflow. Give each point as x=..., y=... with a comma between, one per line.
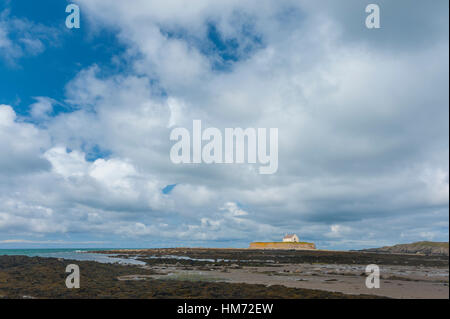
x=86, y=115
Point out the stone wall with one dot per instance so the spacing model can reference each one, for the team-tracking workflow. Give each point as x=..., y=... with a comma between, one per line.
x=282, y=245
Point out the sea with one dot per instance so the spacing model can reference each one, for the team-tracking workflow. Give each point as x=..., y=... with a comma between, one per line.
x=73, y=254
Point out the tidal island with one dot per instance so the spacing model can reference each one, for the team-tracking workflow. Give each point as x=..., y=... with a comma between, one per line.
x=290, y=241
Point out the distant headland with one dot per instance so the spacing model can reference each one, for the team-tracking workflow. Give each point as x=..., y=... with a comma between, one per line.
x=428, y=248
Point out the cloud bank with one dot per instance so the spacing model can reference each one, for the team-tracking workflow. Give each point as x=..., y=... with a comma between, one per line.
x=362, y=117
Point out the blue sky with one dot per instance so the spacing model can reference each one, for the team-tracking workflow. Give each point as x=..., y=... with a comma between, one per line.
x=47, y=74
x=86, y=114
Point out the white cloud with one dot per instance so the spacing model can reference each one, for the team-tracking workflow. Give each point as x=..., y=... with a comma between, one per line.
x=20, y=145
x=233, y=209
x=21, y=37
x=40, y=111
x=66, y=164
x=58, y=242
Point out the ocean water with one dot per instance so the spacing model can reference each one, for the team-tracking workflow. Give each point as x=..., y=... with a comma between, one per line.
x=73, y=254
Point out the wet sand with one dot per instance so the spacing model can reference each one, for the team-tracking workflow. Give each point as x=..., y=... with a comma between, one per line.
x=401, y=276
x=348, y=279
